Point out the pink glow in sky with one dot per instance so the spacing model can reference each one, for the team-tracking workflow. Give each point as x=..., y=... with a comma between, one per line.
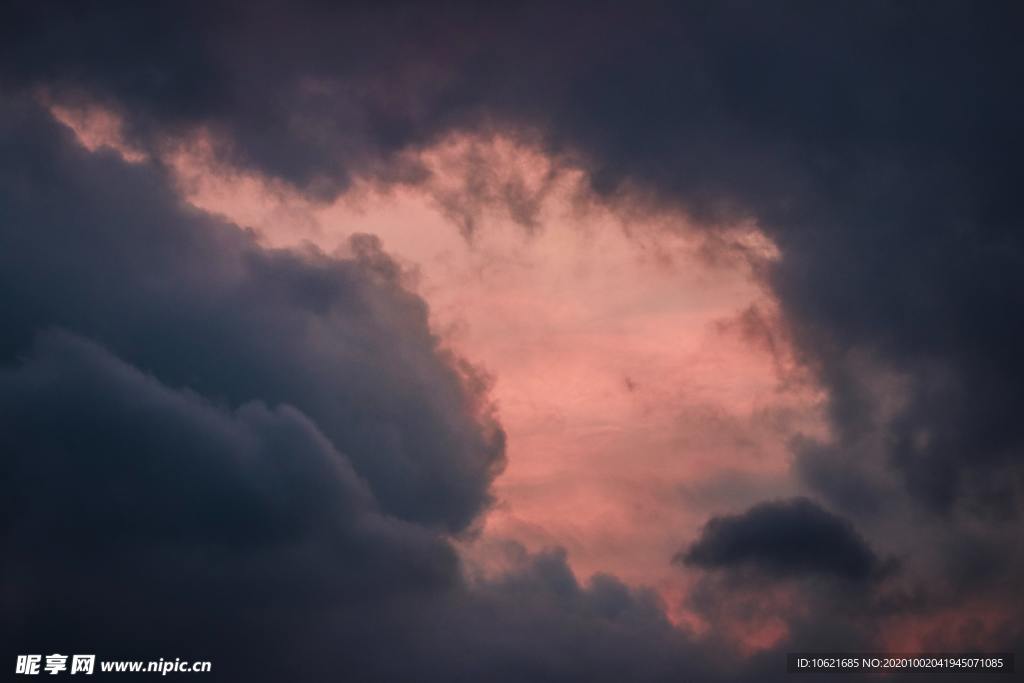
x=635, y=407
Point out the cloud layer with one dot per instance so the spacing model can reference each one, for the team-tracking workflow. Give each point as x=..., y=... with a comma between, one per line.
x=791, y=537
x=879, y=165
x=275, y=437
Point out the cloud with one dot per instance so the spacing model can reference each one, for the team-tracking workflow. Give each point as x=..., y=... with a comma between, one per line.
x=216, y=451
x=783, y=538
x=881, y=169
x=144, y=521
x=107, y=251
x=148, y=509
x=212, y=450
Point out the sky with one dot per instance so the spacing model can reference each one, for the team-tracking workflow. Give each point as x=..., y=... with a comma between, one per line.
x=587, y=341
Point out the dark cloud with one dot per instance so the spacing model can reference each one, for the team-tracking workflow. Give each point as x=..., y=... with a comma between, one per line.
x=215, y=451
x=133, y=512
x=143, y=521
x=539, y=623
x=211, y=449
x=877, y=144
x=107, y=251
x=785, y=538
x=874, y=143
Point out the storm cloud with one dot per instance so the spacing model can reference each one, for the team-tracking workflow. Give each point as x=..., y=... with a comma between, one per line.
x=277, y=438
x=108, y=251
x=873, y=143
x=792, y=537
x=201, y=438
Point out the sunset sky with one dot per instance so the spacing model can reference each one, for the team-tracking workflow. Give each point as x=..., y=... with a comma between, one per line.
x=535, y=342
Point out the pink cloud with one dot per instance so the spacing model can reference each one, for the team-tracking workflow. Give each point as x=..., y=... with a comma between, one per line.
x=620, y=373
